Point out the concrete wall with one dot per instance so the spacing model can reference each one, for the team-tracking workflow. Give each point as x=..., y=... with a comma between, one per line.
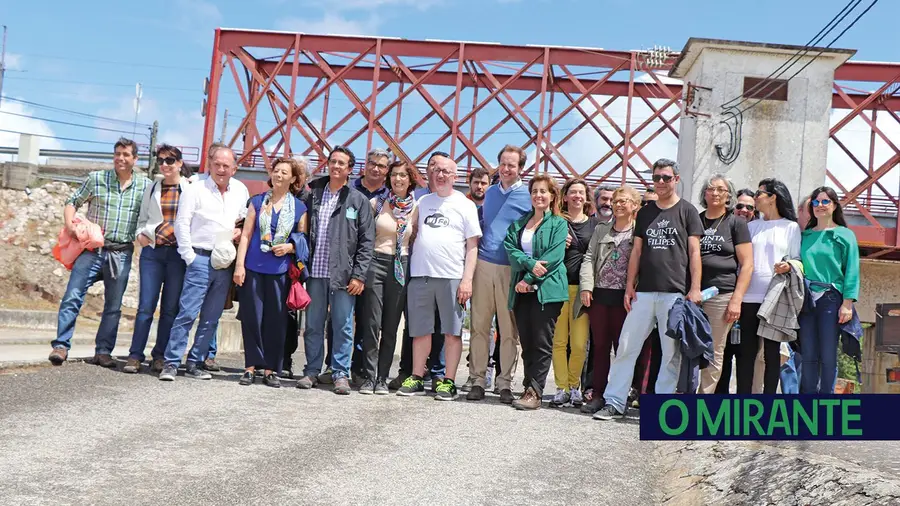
x=879, y=283
x=787, y=140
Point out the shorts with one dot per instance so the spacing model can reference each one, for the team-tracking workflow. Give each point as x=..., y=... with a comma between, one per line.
x=424, y=295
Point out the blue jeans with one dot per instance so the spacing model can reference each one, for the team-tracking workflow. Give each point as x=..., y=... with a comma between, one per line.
x=791, y=374
x=90, y=267
x=213, y=346
x=161, y=268
x=342, y=307
x=819, y=333
x=205, y=290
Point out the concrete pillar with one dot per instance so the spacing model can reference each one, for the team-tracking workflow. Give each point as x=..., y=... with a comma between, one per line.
x=29, y=149
x=786, y=139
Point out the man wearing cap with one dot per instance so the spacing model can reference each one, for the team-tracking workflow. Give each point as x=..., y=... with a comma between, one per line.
x=205, y=233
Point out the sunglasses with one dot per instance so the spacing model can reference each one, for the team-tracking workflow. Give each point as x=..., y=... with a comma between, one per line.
x=665, y=178
x=741, y=207
x=169, y=160
x=817, y=202
x=760, y=193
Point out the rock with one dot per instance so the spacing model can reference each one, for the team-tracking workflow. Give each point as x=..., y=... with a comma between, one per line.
x=32, y=249
x=58, y=272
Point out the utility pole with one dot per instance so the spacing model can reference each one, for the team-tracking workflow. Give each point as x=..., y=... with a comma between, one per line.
x=152, y=167
x=224, y=126
x=2, y=64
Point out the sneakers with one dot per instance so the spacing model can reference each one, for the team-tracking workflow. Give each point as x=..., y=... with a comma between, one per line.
x=593, y=406
x=397, y=382
x=435, y=381
x=211, y=365
x=342, y=386
x=412, y=385
x=247, y=378
x=132, y=366
x=476, y=394
x=560, y=399
x=506, y=396
x=381, y=387
x=529, y=401
x=58, y=356
x=367, y=388
x=169, y=372
x=467, y=387
x=608, y=412
x=192, y=370
x=157, y=365
x=272, y=380
x=575, y=397
x=307, y=382
x=446, y=390
x=325, y=378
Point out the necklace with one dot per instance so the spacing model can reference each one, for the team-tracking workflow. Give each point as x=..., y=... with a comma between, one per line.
x=716, y=223
x=618, y=239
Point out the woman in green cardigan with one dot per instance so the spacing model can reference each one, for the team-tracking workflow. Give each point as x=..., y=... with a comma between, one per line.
x=536, y=244
x=830, y=257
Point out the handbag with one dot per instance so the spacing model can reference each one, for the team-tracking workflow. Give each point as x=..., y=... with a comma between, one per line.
x=298, y=298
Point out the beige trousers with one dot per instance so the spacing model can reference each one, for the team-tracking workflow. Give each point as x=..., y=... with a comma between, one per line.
x=490, y=296
x=715, y=311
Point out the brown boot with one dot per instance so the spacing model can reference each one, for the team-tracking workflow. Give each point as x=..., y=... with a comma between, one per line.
x=104, y=361
x=157, y=365
x=133, y=366
x=58, y=356
x=530, y=400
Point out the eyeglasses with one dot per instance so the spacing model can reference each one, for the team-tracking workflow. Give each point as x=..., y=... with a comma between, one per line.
x=382, y=166
x=622, y=202
x=817, y=202
x=169, y=160
x=716, y=190
x=760, y=193
x=445, y=172
x=741, y=207
x=665, y=178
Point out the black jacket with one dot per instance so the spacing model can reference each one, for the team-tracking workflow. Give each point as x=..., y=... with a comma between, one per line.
x=350, y=241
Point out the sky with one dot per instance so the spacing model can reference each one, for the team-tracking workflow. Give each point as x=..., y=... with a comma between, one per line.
x=87, y=56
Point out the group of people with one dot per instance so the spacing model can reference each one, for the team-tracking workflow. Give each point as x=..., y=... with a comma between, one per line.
x=619, y=293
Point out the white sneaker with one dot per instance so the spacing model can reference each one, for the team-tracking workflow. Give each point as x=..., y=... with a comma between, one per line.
x=575, y=398
x=561, y=398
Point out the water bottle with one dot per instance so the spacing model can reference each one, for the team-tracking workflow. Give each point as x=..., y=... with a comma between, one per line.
x=709, y=293
x=735, y=335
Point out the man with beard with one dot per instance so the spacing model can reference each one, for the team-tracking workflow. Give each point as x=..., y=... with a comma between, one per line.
x=479, y=180
x=603, y=200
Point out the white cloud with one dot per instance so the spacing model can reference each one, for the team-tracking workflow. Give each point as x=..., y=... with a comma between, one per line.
x=13, y=61
x=197, y=18
x=177, y=126
x=331, y=24
x=15, y=122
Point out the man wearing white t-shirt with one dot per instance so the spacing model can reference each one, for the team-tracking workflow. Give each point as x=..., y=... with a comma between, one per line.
x=444, y=251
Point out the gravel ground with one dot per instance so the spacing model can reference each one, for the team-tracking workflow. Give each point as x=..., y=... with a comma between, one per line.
x=79, y=434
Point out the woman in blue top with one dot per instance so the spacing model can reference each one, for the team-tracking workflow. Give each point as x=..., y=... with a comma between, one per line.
x=276, y=220
x=830, y=257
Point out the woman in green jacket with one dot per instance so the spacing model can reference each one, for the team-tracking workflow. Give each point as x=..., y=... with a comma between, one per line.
x=830, y=257
x=536, y=244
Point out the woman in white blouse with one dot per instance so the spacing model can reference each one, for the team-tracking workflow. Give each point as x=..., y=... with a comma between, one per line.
x=774, y=237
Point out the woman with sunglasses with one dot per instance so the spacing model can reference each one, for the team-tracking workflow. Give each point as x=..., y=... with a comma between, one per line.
x=830, y=257
x=727, y=259
x=775, y=237
x=746, y=205
x=384, y=298
x=275, y=221
x=161, y=266
x=571, y=328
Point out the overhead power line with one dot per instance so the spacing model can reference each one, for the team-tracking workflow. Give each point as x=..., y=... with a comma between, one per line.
x=54, y=137
x=49, y=120
x=109, y=62
x=77, y=113
x=111, y=85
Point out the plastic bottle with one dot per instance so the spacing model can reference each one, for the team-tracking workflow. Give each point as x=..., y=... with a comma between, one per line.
x=709, y=293
x=735, y=335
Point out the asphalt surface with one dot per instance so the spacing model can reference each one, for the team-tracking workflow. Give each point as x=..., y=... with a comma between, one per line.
x=79, y=434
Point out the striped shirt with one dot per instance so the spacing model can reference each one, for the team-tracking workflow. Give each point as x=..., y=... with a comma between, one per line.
x=168, y=203
x=115, y=210
x=321, y=254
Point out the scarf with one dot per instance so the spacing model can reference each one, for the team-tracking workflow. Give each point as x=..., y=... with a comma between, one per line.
x=282, y=229
x=400, y=209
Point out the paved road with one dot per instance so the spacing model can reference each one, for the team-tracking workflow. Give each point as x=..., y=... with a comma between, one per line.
x=80, y=434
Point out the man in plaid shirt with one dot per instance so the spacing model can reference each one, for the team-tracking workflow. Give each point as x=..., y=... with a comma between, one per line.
x=114, y=202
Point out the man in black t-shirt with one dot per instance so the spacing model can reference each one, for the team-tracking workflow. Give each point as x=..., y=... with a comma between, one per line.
x=665, y=264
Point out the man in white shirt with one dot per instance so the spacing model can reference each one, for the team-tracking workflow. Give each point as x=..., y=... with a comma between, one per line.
x=441, y=269
x=205, y=221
